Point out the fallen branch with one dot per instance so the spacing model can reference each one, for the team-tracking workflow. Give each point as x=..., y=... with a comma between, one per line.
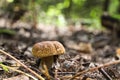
x=95, y=68
x=2, y=65
x=33, y=72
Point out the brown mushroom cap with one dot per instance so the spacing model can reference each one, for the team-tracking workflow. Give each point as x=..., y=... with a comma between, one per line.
x=47, y=48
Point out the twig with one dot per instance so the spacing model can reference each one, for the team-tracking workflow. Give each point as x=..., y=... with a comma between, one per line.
x=2, y=65
x=33, y=72
x=55, y=74
x=64, y=73
x=105, y=74
x=95, y=68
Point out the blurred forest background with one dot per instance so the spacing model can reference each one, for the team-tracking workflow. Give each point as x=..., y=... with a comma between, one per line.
x=77, y=24
x=58, y=12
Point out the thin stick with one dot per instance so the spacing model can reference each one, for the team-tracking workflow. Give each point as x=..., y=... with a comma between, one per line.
x=2, y=65
x=95, y=68
x=33, y=72
x=105, y=74
x=60, y=73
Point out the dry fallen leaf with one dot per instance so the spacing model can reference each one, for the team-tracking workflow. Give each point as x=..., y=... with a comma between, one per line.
x=90, y=79
x=82, y=46
x=85, y=47
x=118, y=53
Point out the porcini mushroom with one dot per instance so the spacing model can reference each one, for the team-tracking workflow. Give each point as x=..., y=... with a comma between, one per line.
x=46, y=51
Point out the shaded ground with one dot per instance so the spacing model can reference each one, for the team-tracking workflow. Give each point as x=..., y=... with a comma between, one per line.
x=100, y=49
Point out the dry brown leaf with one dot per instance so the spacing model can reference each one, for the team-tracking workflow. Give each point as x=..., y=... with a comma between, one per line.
x=118, y=53
x=85, y=47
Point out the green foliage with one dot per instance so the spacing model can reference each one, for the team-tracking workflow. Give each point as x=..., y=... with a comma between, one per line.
x=7, y=31
x=4, y=67
x=10, y=1
x=114, y=5
x=59, y=12
x=114, y=9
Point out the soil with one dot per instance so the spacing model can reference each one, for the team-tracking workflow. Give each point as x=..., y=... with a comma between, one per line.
x=77, y=58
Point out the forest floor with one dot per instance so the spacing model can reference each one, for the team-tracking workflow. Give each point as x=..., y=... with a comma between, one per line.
x=84, y=49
